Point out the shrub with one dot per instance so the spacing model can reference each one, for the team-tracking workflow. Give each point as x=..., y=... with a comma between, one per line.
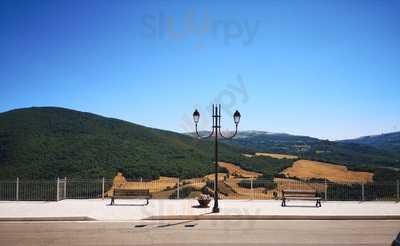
x=280, y=176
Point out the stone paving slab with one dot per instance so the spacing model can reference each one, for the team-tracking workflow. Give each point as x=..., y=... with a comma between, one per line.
x=133, y=210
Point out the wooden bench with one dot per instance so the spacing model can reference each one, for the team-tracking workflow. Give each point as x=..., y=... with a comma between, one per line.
x=130, y=194
x=307, y=195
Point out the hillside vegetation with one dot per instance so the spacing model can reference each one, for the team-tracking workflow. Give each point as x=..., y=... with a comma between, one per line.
x=389, y=141
x=355, y=155
x=46, y=142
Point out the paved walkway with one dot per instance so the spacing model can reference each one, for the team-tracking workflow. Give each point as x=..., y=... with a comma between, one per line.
x=128, y=210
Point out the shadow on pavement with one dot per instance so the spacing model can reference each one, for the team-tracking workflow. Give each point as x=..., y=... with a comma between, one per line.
x=182, y=222
x=127, y=205
x=301, y=206
x=198, y=206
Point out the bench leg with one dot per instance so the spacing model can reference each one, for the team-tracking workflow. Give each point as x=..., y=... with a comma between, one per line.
x=283, y=202
x=318, y=205
x=147, y=201
x=112, y=201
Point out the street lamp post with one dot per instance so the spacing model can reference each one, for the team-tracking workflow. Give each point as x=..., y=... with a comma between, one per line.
x=216, y=130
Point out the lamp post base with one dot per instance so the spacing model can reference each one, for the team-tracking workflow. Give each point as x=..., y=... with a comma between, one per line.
x=215, y=210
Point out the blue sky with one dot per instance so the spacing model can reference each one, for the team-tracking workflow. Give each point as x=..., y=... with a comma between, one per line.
x=328, y=69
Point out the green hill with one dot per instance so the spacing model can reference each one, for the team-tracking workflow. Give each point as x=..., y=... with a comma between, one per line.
x=46, y=142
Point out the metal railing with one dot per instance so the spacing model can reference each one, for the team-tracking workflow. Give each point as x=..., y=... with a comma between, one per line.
x=175, y=188
x=87, y=189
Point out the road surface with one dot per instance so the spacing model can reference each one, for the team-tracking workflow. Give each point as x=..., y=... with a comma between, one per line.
x=200, y=233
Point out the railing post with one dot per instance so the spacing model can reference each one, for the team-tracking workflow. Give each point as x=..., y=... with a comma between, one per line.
x=251, y=189
x=102, y=189
x=58, y=189
x=362, y=191
x=65, y=187
x=177, y=191
x=326, y=190
x=17, y=190
x=398, y=190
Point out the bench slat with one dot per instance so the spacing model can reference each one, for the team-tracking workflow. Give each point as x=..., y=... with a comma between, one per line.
x=299, y=191
x=131, y=197
x=131, y=192
x=304, y=198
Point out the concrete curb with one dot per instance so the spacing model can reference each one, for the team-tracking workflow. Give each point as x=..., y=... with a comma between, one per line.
x=32, y=219
x=274, y=217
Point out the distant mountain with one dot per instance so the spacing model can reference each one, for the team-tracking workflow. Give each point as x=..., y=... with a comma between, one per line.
x=356, y=156
x=388, y=141
x=261, y=141
x=273, y=142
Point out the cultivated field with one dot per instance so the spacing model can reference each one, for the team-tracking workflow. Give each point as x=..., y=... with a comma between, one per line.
x=245, y=193
x=278, y=156
x=291, y=184
x=238, y=171
x=306, y=170
x=228, y=184
x=160, y=185
x=165, y=187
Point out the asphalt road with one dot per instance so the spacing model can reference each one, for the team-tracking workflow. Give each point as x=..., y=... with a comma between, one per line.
x=200, y=233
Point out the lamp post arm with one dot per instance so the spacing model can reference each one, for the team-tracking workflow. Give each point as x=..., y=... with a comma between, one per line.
x=204, y=137
x=230, y=137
